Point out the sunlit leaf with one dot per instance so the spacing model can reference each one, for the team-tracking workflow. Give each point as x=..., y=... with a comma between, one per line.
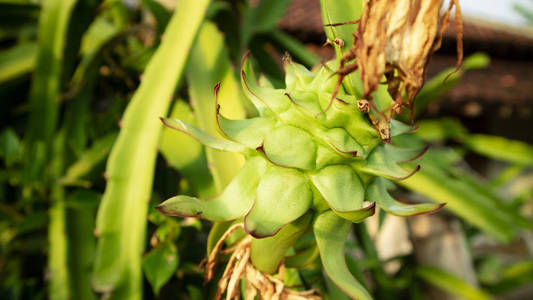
x=451, y=284
x=209, y=65
x=17, y=61
x=500, y=148
x=121, y=218
x=88, y=160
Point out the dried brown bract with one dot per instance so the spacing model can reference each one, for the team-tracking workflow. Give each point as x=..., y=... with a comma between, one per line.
x=395, y=39
x=239, y=266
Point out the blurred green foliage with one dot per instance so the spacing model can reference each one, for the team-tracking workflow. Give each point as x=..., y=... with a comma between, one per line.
x=84, y=81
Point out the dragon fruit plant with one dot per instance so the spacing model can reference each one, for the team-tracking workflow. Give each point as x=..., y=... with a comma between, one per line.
x=317, y=160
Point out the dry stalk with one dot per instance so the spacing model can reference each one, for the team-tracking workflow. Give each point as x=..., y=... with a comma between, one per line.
x=239, y=266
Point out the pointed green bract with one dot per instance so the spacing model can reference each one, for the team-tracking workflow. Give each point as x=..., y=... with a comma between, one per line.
x=384, y=159
x=343, y=190
x=283, y=195
x=306, y=101
x=265, y=99
x=341, y=187
x=201, y=136
x=358, y=216
x=267, y=253
x=377, y=192
x=343, y=142
x=303, y=258
x=330, y=233
x=291, y=147
x=399, y=128
x=234, y=202
x=249, y=132
x=296, y=75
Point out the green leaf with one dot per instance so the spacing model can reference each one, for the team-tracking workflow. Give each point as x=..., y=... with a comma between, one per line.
x=121, y=220
x=343, y=191
x=15, y=14
x=500, y=148
x=88, y=160
x=494, y=147
x=283, y=195
x=201, y=136
x=234, y=202
x=266, y=63
x=514, y=276
x=80, y=217
x=99, y=34
x=330, y=233
x=463, y=198
x=10, y=147
x=54, y=22
x=17, y=61
x=267, y=253
x=440, y=130
x=291, y=147
x=285, y=42
x=161, y=15
x=451, y=284
x=160, y=264
x=59, y=287
x=437, y=86
x=377, y=192
x=262, y=17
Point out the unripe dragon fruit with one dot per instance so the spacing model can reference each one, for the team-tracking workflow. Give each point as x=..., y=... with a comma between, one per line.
x=311, y=162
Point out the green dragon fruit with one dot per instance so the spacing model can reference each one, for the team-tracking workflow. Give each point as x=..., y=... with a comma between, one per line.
x=312, y=162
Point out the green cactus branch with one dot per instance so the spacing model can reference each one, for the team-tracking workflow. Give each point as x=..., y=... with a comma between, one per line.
x=121, y=217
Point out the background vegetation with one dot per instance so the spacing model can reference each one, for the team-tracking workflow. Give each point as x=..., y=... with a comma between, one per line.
x=85, y=158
